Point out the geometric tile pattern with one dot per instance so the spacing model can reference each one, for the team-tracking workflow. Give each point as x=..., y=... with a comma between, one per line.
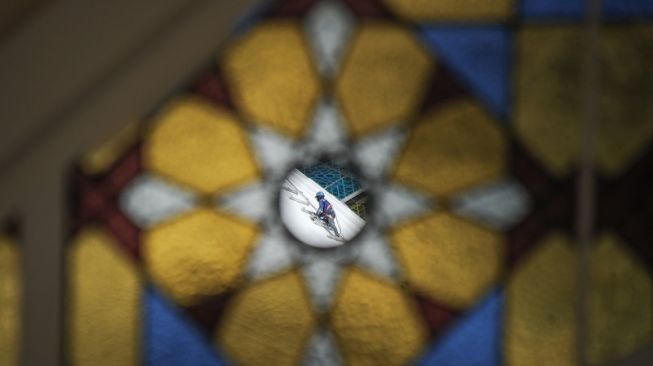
x=461, y=117
x=335, y=180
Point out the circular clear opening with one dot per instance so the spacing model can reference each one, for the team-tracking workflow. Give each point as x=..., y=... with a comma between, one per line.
x=323, y=205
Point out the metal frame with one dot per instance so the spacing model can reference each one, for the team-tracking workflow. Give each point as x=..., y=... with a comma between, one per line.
x=63, y=91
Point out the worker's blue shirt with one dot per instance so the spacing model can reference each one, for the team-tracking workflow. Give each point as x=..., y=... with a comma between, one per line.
x=325, y=207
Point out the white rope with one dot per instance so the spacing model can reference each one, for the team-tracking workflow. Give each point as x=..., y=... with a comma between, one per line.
x=339, y=228
x=302, y=193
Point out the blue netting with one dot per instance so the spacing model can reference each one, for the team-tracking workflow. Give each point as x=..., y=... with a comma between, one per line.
x=334, y=179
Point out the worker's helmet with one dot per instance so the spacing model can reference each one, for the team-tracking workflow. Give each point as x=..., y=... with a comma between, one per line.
x=319, y=195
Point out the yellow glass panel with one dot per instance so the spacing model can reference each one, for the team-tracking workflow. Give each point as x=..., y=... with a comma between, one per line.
x=540, y=323
x=448, y=258
x=270, y=322
x=626, y=118
x=383, y=77
x=272, y=77
x=548, y=95
x=452, y=9
x=547, y=116
x=104, y=303
x=103, y=156
x=202, y=146
x=453, y=147
x=10, y=301
x=375, y=323
x=198, y=255
x=621, y=302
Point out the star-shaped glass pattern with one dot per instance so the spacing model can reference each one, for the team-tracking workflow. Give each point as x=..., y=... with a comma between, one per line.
x=179, y=254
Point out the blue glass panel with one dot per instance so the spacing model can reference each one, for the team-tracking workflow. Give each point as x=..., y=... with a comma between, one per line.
x=474, y=341
x=479, y=56
x=627, y=8
x=542, y=9
x=574, y=9
x=170, y=340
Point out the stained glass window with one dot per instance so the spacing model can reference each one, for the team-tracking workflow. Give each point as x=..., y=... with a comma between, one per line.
x=462, y=119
